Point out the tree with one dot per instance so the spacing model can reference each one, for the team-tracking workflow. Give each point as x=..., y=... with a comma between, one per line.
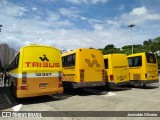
x=149, y=41
x=127, y=47
x=108, y=47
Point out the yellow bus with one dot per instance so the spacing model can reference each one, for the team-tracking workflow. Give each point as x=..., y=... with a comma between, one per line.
x=143, y=68
x=83, y=68
x=36, y=70
x=117, y=69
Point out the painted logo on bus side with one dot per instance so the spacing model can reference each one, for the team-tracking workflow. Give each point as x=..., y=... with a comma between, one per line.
x=42, y=64
x=93, y=62
x=43, y=58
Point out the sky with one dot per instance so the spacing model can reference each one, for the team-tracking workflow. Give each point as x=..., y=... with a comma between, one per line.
x=71, y=24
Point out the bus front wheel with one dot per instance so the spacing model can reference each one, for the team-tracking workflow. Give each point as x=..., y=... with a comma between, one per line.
x=144, y=85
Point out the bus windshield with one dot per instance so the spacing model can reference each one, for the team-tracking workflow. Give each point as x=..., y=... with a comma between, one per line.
x=135, y=61
x=150, y=58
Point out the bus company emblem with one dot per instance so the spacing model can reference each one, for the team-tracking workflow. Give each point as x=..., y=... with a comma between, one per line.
x=151, y=59
x=44, y=58
x=93, y=62
x=44, y=63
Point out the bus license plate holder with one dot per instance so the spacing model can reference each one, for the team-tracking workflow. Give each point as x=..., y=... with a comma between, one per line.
x=43, y=85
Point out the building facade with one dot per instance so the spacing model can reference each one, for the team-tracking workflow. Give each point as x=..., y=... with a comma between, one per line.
x=6, y=54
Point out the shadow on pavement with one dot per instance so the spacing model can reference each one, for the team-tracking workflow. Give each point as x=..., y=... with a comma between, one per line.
x=102, y=90
x=42, y=99
x=148, y=86
x=6, y=98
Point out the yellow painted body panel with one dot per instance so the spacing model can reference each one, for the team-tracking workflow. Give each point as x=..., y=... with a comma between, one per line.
x=138, y=73
x=89, y=60
x=41, y=68
x=118, y=67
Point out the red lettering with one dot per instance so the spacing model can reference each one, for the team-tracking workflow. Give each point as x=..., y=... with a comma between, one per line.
x=45, y=64
x=27, y=63
x=42, y=64
x=51, y=65
x=56, y=64
x=35, y=64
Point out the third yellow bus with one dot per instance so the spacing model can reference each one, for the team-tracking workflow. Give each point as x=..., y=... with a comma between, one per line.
x=143, y=68
x=117, y=69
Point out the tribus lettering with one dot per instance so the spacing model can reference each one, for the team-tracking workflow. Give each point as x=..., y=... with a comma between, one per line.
x=42, y=64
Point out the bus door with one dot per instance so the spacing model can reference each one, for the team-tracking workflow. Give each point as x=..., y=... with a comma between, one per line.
x=68, y=63
x=152, y=67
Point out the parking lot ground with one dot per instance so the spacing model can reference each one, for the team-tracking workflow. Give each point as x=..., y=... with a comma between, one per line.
x=126, y=98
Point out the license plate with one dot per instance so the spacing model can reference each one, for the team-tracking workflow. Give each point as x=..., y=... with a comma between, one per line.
x=43, y=84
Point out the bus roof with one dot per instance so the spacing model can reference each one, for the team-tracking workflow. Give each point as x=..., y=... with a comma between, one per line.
x=107, y=55
x=36, y=45
x=136, y=54
x=74, y=51
x=31, y=45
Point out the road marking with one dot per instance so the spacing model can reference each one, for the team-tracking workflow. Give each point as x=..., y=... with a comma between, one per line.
x=17, y=107
x=109, y=94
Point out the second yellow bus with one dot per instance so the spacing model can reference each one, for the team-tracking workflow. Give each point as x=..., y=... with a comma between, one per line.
x=83, y=68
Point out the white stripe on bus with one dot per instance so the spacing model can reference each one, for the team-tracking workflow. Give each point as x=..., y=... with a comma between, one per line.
x=33, y=75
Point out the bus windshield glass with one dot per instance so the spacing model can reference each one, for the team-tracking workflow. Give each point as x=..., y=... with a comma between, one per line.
x=150, y=58
x=135, y=61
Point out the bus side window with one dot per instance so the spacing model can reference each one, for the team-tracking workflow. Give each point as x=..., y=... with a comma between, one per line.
x=71, y=60
x=106, y=63
x=139, y=61
x=68, y=60
x=14, y=63
x=130, y=62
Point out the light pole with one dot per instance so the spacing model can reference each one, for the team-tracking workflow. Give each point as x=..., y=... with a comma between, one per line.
x=0, y=27
x=131, y=25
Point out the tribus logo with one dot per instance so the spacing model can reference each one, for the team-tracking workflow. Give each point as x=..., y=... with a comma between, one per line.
x=151, y=59
x=93, y=62
x=44, y=58
x=42, y=64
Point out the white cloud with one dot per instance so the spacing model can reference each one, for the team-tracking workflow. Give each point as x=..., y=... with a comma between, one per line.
x=83, y=18
x=139, y=11
x=34, y=8
x=98, y=1
x=69, y=12
x=139, y=16
x=87, y=1
x=12, y=10
x=53, y=29
x=98, y=27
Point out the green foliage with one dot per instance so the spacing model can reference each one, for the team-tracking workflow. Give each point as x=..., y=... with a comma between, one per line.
x=150, y=45
x=109, y=47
